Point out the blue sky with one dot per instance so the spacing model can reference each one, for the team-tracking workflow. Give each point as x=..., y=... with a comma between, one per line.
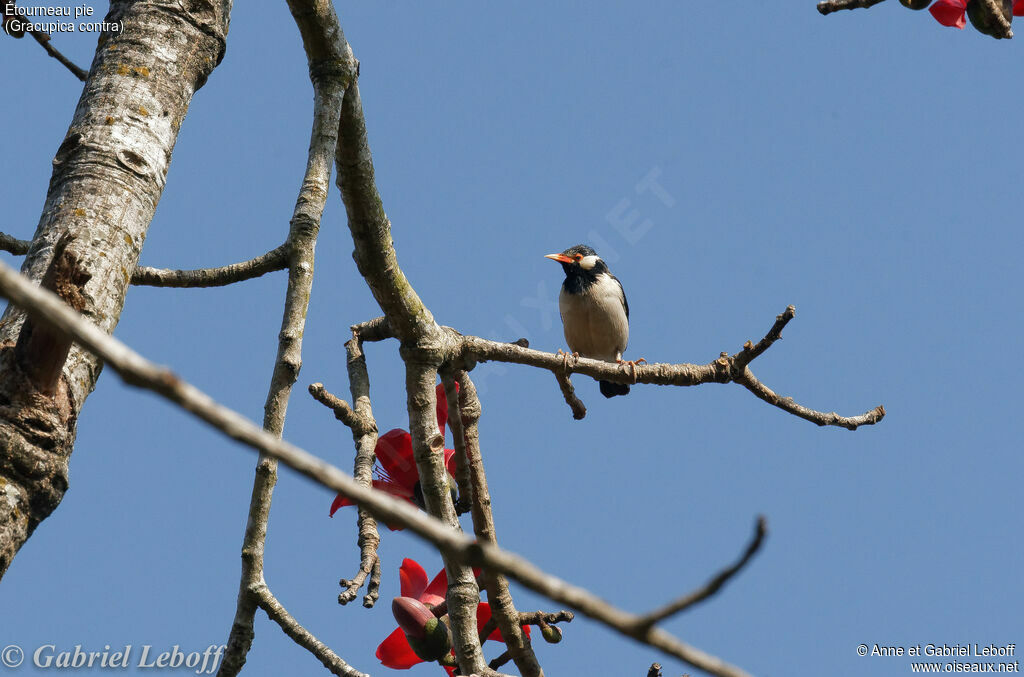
x=858, y=166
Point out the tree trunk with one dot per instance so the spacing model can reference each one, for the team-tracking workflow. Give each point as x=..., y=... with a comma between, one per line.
x=108, y=175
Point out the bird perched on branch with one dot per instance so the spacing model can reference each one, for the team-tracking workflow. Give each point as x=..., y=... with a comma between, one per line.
x=595, y=315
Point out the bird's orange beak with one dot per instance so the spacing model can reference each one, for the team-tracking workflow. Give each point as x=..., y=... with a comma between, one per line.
x=561, y=258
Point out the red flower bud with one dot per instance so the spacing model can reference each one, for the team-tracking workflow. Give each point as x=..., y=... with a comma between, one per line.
x=412, y=616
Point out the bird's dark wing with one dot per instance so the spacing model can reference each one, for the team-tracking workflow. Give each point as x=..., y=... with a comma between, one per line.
x=625, y=303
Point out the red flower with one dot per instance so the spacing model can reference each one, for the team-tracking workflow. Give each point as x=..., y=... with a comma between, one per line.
x=950, y=12
x=395, y=651
x=396, y=470
x=1018, y=8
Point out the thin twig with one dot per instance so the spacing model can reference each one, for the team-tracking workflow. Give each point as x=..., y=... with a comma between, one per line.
x=751, y=352
x=277, y=613
x=137, y=371
x=579, y=410
x=13, y=245
x=713, y=585
x=275, y=259
x=342, y=411
x=787, y=404
x=15, y=27
x=364, y=435
x=503, y=658
x=377, y=329
x=540, y=617
x=373, y=587
x=44, y=40
x=828, y=6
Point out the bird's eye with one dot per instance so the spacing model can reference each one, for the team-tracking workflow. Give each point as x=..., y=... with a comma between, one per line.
x=578, y=257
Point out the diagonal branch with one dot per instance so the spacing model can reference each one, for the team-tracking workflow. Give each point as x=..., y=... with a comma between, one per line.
x=137, y=371
x=370, y=227
x=712, y=586
x=277, y=613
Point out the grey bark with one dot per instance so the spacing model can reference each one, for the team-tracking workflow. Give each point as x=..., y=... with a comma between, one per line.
x=108, y=175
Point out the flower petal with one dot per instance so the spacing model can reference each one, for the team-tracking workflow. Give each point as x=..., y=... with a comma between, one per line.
x=381, y=485
x=394, y=453
x=449, y=455
x=1018, y=8
x=436, y=591
x=339, y=502
x=413, y=578
x=950, y=12
x=395, y=652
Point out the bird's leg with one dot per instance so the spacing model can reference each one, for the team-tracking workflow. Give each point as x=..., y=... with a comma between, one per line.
x=565, y=359
x=632, y=364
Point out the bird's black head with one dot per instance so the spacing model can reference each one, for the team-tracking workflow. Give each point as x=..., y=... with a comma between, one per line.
x=580, y=262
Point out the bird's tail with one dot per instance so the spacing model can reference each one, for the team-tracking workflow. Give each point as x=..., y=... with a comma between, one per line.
x=609, y=389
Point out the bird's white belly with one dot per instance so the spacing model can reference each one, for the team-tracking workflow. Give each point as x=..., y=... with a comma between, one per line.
x=595, y=322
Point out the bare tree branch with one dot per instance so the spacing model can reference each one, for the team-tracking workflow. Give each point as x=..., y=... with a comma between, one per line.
x=712, y=586
x=371, y=229
x=377, y=329
x=12, y=26
x=455, y=422
x=137, y=371
x=463, y=595
x=787, y=404
x=9, y=243
x=826, y=7
x=329, y=74
x=422, y=351
x=725, y=369
x=579, y=410
x=503, y=611
x=364, y=434
x=303, y=637
x=275, y=259
x=342, y=411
